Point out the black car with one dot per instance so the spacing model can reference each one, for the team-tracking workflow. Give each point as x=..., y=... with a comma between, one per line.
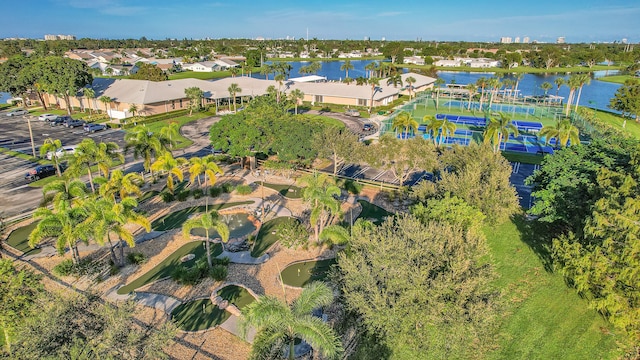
x=60, y=120
x=71, y=123
x=40, y=172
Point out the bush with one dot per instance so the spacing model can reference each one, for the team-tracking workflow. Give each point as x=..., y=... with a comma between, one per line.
x=218, y=272
x=183, y=195
x=215, y=191
x=114, y=270
x=197, y=193
x=352, y=187
x=221, y=261
x=167, y=197
x=227, y=188
x=65, y=268
x=244, y=189
x=136, y=258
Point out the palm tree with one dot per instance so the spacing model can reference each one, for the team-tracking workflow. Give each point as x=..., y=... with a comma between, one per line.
x=105, y=100
x=433, y=126
x=52, y=146
x=279, y=324
x=63, y=193
x=173, y=167
x=90, y=94
x=145, y=144
x=564, y=132
x=234, y=71
x=346, y=67
x=410, y=80
x=559, y=82
x=133, y=108
x=395, y=80
x=265, y=70
x=495, y=84
x=107, y=155
x=375, y=83
x=207, y=221
x=170, y=133
x=121, y=184
x=446, y=128
x=372, y=67
x=582, y=79
x=573, y=83
x=296, y=96
x=497, y=128
x=471, y=88
x=482, y=83
x=86, y=155
x=280, y=79
x=233, y=90
x=437, y=84
x=519, y=76
x=204, y=166
x=63, y=224
x=320, y=192
x=404, y=121
x=546, y=86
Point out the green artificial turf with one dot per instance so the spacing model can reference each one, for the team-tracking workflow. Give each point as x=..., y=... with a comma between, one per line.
x=265, y=238
x=288, y=191
x=542, y=318
x=168, y=265
x=236, y=295
x=373, y=212
x=19, y=239
x=177, y=218
x=302, y=273
x=198, y=315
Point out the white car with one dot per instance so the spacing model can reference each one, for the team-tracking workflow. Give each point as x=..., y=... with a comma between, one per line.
x=17, y=112
x=65, y=150
x=47, y=117
x=352, y=112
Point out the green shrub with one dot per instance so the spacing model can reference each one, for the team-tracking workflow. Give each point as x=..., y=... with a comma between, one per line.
x=352, y=187
x=218, y=272
x=197, y=193
x=136, y=258
x=65, y=268
x=215, y=191
x=227, y=188
x=114, y=270
x=221, y=261
x=183, y=195
x=167, y=197
x=244, y=189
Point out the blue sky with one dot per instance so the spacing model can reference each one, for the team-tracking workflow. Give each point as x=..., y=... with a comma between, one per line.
x=478, y=20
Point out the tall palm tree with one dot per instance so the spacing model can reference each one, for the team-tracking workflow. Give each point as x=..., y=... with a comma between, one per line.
x=64, y=225
x=90, y=94
x=519, y=76
x=64, y=193
x=374, y=83
x=582, y=79
x=433, y=126
x=170, y=133
x=86, y=155
x=546, y=86
x=107, y=155
x=133, y=108
x=207, y=221
x=279, y=324
x=234, y=71
x=482, y=83
x=346, y=67
x=371, y=67
x=320, y=193
x=106, y=101
x=497, y=129
x=495, y=84
x=438, y=84
x=395, y=80
x=446, y=128
x=204, y=166
x=573, y=83
x=173, y=167
x=410, y=80
x=559, y=81
x=564, y=132
x=280, y=80
x=121, y=184
x=145, y=144
x=296, y=96
x=404, y=121
x=471, y=88
x=52, y=146
x=233, y=90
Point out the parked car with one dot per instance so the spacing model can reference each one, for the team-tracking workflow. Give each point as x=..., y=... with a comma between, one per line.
x=17, y=112
x=91, y=128
x=47, y=117
x=40, y=172
x=352, y=112
x=61, y=152
x=367, y=127
x=71, y=123
x=60, y=120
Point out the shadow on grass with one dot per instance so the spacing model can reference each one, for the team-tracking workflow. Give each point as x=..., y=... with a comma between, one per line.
x=373, y=212
x=302, y=273
x=236, y=295
x=288, y=191
x=168, y=265
x=538, y=236
x=266, y=236
x=19, y=239
x=198, y=315
x=177, y=218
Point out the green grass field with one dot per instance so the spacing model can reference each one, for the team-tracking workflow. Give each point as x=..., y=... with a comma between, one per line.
x=373, y=212
x=167, y=266
x=19, y=239
x=288, y=191
x=236, y=295
x=200, y=75
x=198, y=315
x=632, y=127
x=618, y=79
x=543, y=318
x=302, y=273
x=175, y=219
x=265, y=238
x=325, y=119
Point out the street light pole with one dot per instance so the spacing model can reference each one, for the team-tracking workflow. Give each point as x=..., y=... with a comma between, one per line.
x=33, y=146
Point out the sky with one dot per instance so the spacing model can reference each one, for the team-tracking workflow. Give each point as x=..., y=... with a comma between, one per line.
x=445, y=20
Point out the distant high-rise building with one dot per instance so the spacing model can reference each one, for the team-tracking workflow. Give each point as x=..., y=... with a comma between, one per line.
x=366, y=38
x=624, y=41
x=59, y=37
x=506, y=40
x=525, y=40
x=561, y=40
x=383, y=39
x=517, y=40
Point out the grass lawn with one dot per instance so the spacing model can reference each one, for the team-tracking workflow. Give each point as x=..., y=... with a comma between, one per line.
x=167, y=266
x=288, y=191
x=543, y=318
x=181, y=141
x=19, y=239
x=523, y=158
x=175, y=219
x=265, y=238
x=519, y=69
x=302, y=273
x=632, y=127
x=325, y=119
x=200, y=75
x=373, y=212
x=236, y=295
x=198, y=315
x=22, y=156
x=618, y=79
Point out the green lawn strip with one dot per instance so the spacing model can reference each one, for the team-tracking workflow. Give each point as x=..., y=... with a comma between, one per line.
x=198, y=315
x=302, y=273
x=326, y=119
x=632, y=127
x=535, y=159
x=288, y=191
x=373, y=212
x=236, y=295
x=618, y=79
x=39, y=111
x=200, y=75
x=175, y=219
x=20, y=155
x=517, y=70
x=265, y=238
x=181, y=141
x=19, y=239
x=167, y=266
x=542, y=318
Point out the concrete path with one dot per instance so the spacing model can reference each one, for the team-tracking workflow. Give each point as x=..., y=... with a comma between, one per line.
x=244, y=257
x=232, y=325
x=160, y=302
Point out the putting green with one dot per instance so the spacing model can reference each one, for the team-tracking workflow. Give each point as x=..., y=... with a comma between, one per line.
x=265, y=237
x=373, y=212
x=288, y=191
x=19, y=239
x=177, y=218
x=202, y=314
x=168, y=265
x=301, y=273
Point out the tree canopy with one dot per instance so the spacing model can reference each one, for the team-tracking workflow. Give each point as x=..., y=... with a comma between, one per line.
x=149, y=72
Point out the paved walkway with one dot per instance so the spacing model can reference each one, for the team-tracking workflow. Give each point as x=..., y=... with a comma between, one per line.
x=232, y=325
x=244, y=257
x=158, y=301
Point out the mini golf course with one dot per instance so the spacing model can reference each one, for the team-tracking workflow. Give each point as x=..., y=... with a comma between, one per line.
x=177, y=218
x=168, y=265
x=288, y=191
x=201, y=314
x=19, y=239
x=301, y=273
x=266, y=237
x=373, y=212
x=239, y=226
